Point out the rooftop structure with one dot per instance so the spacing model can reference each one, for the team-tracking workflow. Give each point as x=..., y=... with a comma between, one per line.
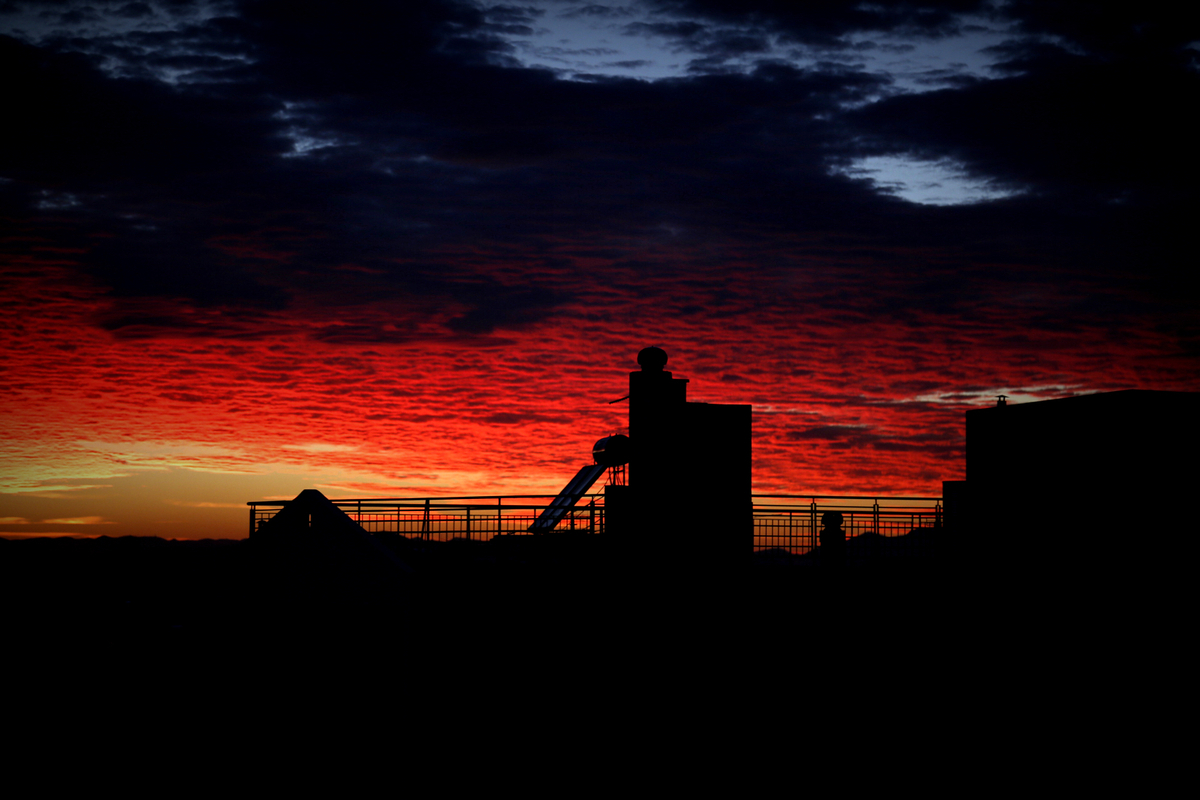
x=1101, y=468
x=684, y=455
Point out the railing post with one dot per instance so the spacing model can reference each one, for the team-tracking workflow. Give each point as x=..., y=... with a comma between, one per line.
x=592, y=516
x=812, y=525
x=468, y=523
x=425, y=523
x=252, y=519
x=499, y=526
x=875, y=517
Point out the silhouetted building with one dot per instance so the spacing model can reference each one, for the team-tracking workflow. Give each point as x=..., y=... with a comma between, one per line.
x=688, y=487
x=1096, y=475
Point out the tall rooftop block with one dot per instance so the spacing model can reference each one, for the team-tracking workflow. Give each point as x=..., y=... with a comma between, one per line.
x=1114, y=467
x=689, y=468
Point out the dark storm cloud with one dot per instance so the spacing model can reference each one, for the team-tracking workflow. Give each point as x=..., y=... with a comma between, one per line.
x=75, y=16
x=134, y=11
x=363, y=152
x=167, y=265
x=506, y=308
x=1101, y=143
x=522, y=418
x=1065, y=123
x=600, y=12
x=825, y=22
x=1117, y=28
x=832, y=432
x=511, y=20
x=73, y=124
x=631, y=64
x=681, y=31
x=846, y=437
x=513, y=15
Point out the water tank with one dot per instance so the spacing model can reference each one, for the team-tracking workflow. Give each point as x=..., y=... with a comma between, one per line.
x=652, y=359
x=612, y=451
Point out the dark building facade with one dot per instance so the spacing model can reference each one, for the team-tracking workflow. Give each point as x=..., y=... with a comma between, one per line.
x=689, y=474
x=1088, y=474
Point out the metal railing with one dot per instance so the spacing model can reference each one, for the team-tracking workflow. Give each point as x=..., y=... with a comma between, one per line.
x=783, y=524
x=790, y=525
x=440, y=519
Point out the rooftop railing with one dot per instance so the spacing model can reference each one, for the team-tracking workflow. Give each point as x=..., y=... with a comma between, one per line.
x=788, y=525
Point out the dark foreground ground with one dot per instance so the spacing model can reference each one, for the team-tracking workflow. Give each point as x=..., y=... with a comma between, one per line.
x=149, y=588
x=564, y=636
x=140, y=586
x=559, y=653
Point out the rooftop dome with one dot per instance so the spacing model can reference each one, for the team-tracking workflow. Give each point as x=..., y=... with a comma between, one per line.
x=652, y=359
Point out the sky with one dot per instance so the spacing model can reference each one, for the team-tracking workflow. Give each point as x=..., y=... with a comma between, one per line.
x=411, y=249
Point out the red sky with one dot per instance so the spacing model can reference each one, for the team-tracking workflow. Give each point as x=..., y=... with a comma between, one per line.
x=170, y=435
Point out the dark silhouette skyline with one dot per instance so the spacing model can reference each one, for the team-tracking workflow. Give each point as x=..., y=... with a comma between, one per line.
x=1039, y=507
x=676, y=497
